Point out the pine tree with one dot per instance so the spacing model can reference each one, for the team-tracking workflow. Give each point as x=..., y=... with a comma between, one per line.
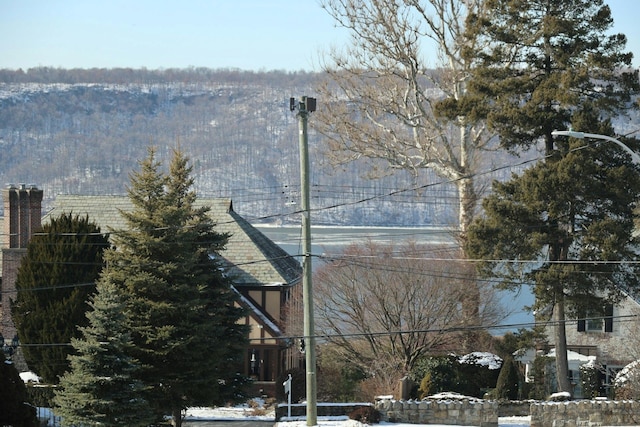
x=15, y=409
x=581, y=207
x=100, y=388
x=543, y=62
x=546, y=66
x=181, y=309
x=54, y=280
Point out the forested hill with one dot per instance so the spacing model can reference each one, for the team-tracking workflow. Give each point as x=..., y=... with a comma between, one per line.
x=84, y=131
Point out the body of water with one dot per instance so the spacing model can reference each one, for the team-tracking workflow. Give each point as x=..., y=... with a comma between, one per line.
x=334, y=239
x=325, y=239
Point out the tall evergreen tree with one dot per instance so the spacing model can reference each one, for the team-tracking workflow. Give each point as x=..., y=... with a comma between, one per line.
x=181, y=309
x=580, y=206
x=543, y=61
x=54, y=280
x=100, y=388
x=546, y=65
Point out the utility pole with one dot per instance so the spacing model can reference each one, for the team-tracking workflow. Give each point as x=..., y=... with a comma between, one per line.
x=306, y=106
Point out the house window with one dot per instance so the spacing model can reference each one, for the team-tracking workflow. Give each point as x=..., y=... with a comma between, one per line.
x=597, y=320
x=594, y=324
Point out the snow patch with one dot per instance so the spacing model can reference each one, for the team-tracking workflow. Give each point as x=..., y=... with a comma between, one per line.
x=29, y=376
x=482, y=358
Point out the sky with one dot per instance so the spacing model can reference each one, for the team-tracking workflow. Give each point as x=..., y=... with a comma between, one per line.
x=258, y=35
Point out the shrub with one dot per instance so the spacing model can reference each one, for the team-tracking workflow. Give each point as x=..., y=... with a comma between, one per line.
x=475, y=376
x=426, y=387
x=365, y=415
x=590, y=380
x=446, y=373
x=508, y=381
x=436, y=374
x=627, y=384
x=338, y=379
x=13, y=395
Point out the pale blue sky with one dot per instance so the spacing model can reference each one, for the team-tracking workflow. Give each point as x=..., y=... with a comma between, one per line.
x=246, y=34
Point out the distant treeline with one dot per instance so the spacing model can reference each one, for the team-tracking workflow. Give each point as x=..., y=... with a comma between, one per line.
x=82, y=131
x=146, y=76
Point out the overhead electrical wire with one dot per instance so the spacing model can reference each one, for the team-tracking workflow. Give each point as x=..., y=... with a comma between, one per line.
x=440, y=330
x=413, y=233
x=368, y=198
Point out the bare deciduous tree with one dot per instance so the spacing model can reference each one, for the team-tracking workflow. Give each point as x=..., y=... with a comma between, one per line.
x=382, y=94
x=386, y=306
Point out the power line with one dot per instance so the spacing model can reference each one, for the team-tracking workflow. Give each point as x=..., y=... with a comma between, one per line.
x=462, y=328
x=440, y=330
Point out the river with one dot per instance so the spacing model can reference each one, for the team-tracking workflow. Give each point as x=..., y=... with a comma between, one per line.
x=332, y=239
x=328, y=239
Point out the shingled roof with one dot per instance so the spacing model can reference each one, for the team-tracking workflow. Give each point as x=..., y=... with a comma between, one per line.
x=250, y=257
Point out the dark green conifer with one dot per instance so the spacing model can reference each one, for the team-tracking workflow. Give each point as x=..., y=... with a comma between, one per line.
x=551, y=65
x=182, y=310
x=508, y=383
x=565, y=227
x=54, y=281
x=544, y=61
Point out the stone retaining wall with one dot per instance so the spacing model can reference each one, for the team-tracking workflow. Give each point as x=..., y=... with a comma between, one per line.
x=456, y=412
x=585, y=413
x=514, y=408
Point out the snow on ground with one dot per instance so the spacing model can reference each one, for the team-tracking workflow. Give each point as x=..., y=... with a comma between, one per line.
x=510, y=422
x=231, y=413
x=255, y=411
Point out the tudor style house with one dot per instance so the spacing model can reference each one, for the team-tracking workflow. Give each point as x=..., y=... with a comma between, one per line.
x=263, y=274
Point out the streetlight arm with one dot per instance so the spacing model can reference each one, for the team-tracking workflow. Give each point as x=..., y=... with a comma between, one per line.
x=581, y=135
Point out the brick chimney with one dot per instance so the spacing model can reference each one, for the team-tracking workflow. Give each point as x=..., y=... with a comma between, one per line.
x=22, y=214
x=22, y=218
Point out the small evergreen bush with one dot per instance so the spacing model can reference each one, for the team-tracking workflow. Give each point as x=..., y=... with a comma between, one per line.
x=446, y=373
x=589, y=379
x=508, y=381
x=426, y=387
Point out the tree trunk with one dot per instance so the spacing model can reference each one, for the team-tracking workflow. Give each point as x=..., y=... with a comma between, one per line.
x=471, y=299
x=562, y=364
x=468, y=201
x=176, y=417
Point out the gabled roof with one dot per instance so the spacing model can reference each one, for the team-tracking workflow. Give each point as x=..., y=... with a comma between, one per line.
x=250, y=257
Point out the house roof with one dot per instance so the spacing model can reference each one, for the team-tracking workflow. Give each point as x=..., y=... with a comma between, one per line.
x=250, y=257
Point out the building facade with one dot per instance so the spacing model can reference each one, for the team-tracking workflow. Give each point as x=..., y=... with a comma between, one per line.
x=263, y=274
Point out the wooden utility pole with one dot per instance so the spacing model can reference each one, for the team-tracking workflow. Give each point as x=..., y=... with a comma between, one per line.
x=306, y=106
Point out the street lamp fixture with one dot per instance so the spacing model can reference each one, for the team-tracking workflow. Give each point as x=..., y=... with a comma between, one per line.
x=581, y=135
